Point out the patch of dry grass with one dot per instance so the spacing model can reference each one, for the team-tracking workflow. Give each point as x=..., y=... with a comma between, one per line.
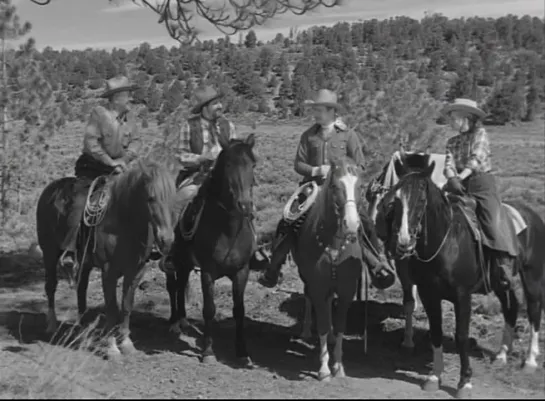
x=64, y=369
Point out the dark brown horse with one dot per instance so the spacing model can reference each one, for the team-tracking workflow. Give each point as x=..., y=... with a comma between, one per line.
x=445, y=262
x=222, y=244
x=374, y=194
x=138, y=214
x=329, y=258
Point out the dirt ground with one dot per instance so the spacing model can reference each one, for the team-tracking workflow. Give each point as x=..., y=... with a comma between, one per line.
x=168, y=367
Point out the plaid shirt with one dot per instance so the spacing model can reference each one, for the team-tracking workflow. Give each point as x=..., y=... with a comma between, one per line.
x=186, y=156
x=469, y=150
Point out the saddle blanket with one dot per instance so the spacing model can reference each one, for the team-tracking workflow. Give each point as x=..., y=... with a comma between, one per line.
x=468, y=205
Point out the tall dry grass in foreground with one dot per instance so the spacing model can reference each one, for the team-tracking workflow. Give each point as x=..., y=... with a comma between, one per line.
x=66, y=369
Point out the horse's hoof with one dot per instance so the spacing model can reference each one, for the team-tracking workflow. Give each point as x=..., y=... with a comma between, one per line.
x=529, y=367
x=464, y=391
x=208, y=359
x=113, y=355
x=127, y=347
x=338, y=371
x=431, y=384
x=175, y=328
x=500, y=359
x=184, y=324
x=246, y=362
x=406, y=350
x=324, y=376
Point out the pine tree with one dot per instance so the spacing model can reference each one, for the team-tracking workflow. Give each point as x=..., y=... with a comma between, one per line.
x=25, y=95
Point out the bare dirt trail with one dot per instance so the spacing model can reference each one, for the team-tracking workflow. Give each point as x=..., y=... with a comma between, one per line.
x=168, y=367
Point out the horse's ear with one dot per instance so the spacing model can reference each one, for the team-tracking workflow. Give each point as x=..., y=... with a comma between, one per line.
x=399, y=167
x=250, y=140
x=428, y=171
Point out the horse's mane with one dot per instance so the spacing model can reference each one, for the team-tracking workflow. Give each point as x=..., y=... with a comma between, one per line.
x=216, y=177
x=143, y=173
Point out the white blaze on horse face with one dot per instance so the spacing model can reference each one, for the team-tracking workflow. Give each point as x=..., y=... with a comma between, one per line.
x=351, y=215
x=404, y=238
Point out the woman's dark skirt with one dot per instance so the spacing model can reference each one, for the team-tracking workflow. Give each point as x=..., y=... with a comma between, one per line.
x=497, y=229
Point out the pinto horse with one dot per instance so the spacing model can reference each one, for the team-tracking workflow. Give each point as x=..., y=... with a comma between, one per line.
x=329, y=258
x=445, y=262
x=222, y=245
x=138, y=214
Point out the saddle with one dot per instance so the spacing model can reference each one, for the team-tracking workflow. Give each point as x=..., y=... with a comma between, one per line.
x=190, y=215
x=468, y=206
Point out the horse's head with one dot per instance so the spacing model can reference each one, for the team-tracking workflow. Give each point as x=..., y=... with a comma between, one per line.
x=411, y=196
x=145, y=193
x=344, y=186
x=233, y=174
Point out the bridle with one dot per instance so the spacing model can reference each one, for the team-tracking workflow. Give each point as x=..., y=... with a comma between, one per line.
x=421, y=228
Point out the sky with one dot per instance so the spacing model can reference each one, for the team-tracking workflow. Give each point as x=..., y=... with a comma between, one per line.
x=78, y=24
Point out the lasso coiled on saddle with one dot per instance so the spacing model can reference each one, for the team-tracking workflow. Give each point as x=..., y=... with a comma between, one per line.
x=94, y=211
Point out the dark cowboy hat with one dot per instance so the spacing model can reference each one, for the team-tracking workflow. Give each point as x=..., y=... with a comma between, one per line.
x=204, y=96
x=118, y=84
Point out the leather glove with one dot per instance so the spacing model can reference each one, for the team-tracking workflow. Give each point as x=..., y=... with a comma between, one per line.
x=454, y=185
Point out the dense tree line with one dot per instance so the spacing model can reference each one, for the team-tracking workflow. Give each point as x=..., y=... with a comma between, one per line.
x=497, y=61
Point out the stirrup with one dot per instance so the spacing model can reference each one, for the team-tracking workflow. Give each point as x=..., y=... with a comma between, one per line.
x=63, y=256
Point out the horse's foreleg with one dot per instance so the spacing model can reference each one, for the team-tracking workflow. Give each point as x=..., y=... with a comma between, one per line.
x=172, y=289
x=432, y=305
x=462, y=309
x=130, y=282
x=340, y=327
x=509, y=306
x=83, y=285
x=209, y=312
x=51, y=281
x=535, y=306
x=409, y=303
x=306, y=334
x=109, y=286
x=323, y=323
x=239, y=286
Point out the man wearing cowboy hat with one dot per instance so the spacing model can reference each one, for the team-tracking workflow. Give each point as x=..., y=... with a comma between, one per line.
x=467, y=168
x=111, y=141
x=329, y=138
x=202, y=138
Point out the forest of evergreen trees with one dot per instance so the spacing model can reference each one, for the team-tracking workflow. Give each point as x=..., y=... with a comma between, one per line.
x=499, y=62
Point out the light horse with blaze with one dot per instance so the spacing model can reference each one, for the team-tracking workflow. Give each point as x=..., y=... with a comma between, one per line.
x=139, y=213
x=222, y=244
x=329, y=258
x=435, y=232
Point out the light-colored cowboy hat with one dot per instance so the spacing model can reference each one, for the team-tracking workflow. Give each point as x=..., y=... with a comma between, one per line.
x=204, y=96
x=324, y=97
x=118, y=84
x=464, y=105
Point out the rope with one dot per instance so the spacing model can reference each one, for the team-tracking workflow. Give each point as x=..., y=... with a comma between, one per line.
x=94, y=211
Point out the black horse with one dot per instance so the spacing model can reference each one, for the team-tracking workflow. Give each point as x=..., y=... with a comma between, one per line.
x=222, y=244
x=432, y=230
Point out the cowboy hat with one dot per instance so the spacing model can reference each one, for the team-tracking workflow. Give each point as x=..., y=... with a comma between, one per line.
x=118, y=84
x=324, y=97
x=464, y=105
x=204, y=96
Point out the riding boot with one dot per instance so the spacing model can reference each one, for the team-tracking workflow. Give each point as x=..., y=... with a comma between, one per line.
x=503, y=267
x=280, y=252
x=68, y=257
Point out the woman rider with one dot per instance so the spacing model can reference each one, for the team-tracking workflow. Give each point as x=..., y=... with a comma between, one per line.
x=468, y=170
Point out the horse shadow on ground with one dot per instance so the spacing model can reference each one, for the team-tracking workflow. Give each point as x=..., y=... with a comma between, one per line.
x=20, y=269
x=272, y=346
